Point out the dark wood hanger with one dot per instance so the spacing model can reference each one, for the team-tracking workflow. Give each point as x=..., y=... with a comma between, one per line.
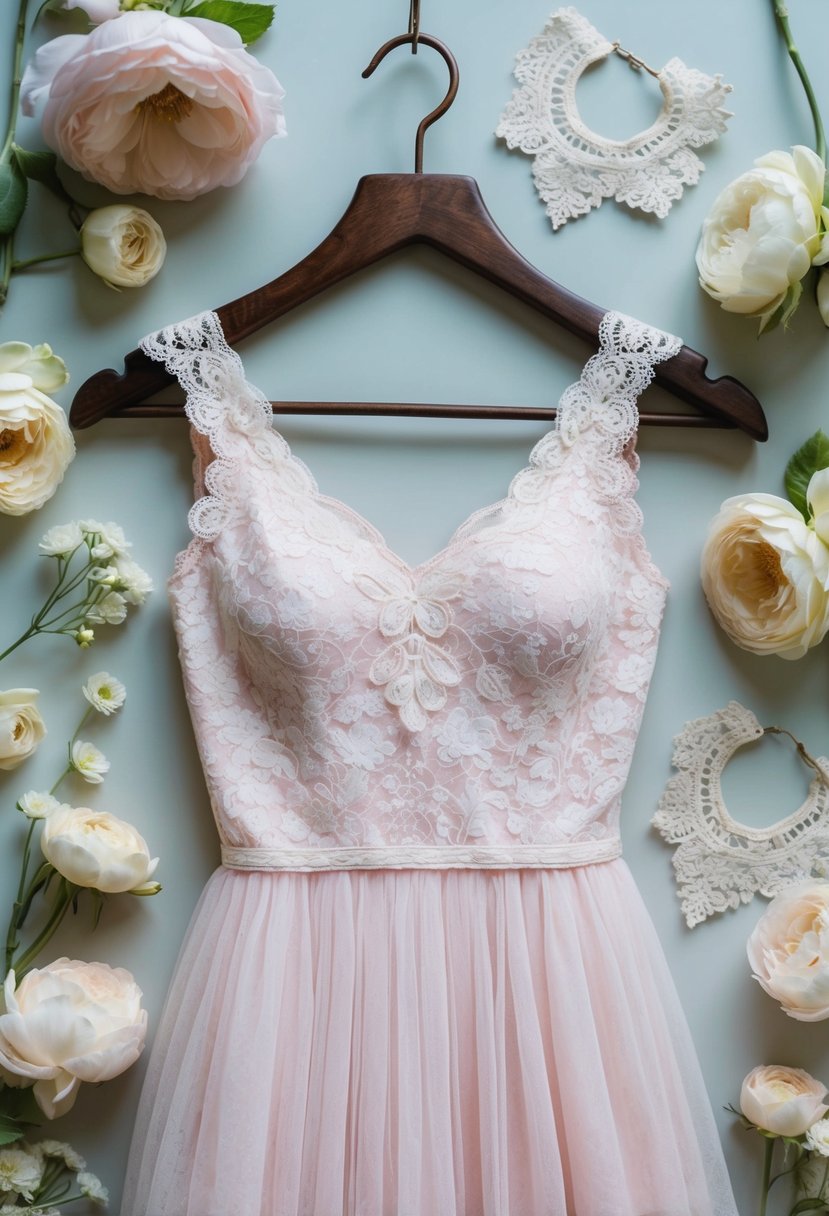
x=387, y=213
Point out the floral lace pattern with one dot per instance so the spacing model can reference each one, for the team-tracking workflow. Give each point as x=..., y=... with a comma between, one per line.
x=574, y=169
x=721, y=863
x=479, y=709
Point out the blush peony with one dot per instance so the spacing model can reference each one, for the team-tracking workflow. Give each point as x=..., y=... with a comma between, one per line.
x=783, y=1101
x=789, y=950
x=169, y=106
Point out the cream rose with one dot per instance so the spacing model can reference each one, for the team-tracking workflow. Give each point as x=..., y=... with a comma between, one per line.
x=763, y=233
x=36, y=444
x=785, y=1101
x=170, y=106
x=66, y=1023
x=789, y=950
x=765, y=574
x=21, y=726
x=95, y=849
x=123, y=245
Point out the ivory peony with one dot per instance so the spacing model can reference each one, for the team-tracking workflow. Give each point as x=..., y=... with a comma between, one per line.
x=785, y=1101
x=765, y=574
x=95, y=849
x=66, y=1023
x=36, y=444
x=21, y=726
x=170, y=106
x=789, y=950
x=763, y=233
x=123, y=245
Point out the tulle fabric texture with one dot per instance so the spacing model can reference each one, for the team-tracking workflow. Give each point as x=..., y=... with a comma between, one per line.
x=424, y=1043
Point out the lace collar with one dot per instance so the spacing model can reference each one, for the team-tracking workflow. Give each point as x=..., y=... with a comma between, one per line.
x=574, y=168
x=721, y=863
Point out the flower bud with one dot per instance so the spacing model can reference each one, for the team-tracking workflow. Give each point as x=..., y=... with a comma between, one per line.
x=85, y=637
x=123, y=244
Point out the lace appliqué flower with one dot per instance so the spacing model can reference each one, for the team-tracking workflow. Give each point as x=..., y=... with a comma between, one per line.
x=575, y=169
x=413, y=670
x=721, y=863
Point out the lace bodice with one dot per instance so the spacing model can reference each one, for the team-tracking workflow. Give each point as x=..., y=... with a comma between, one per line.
x=479, y=709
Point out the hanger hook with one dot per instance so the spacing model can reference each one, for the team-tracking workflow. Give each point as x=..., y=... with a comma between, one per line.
x=414, y=23
x=416, y=38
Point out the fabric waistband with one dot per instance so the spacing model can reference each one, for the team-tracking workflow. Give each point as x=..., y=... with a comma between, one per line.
x=426, y=857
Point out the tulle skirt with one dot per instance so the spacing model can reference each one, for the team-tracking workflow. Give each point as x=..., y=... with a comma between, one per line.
x=424, y=1043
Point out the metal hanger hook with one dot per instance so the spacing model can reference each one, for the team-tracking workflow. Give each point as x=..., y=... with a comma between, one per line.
x=416, y=38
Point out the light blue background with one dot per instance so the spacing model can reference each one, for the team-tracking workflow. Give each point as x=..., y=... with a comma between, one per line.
x=419, y=328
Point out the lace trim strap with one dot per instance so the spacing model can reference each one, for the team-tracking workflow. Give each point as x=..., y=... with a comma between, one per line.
x=425, y=857
x=219, y=403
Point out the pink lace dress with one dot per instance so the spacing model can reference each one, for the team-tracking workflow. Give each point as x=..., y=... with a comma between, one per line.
x=422, y=982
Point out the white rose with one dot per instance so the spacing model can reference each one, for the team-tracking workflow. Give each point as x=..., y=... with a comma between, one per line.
x=104, y=693
x=785, y=1101
x=193, y=107
x=66, y=1023
x=19, y=1171
x=21, y=726
x=123, y=245
x=763, y=233
x=765, y=574
x=62, y=540
x=817, y=1138
x=89, y=762
x=789, y=950
x=94, y=849
x=36, y=445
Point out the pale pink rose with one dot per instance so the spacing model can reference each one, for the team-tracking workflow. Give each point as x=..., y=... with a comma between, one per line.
x=785, y=1101
x=169, y=106
x=66, y=1023
x=789, y=950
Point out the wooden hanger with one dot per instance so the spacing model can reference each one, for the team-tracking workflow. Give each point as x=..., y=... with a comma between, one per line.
x=387, y=213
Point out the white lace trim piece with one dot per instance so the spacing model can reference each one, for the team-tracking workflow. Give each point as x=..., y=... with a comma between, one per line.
x=424, y=857
x=575, y=169
x=721, y=863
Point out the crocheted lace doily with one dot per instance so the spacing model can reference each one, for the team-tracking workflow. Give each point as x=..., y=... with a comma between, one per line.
x=574, y=168
x=721, y=863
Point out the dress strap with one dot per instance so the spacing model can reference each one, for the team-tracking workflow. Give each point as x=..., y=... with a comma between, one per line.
x=220, y=404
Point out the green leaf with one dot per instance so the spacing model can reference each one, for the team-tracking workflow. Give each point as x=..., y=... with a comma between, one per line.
x=14, y=191
x=808, y=1205
x=41, y=167
x=249, y=20
x=10, y=1130
x=808, y=459
x=783, y=313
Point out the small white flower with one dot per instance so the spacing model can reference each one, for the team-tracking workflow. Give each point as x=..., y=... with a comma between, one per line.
x=38, y=806
x=93, y=1188
x=111, y=610
x=817, y=1138
x=104, y=692
x=135, y=583
x=20, y=1172
x=107, y=576
x=61, y=540
x=89, y=762
x=85, y=637
x=60, y=1151
x=109, y=536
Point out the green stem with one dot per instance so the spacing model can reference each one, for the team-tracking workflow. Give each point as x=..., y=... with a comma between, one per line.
x=11, y=934
x=764, y=1194
x=14, y=95
x=44, y=257
x=62, y=902
x=23, y=638
x=781, y=12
